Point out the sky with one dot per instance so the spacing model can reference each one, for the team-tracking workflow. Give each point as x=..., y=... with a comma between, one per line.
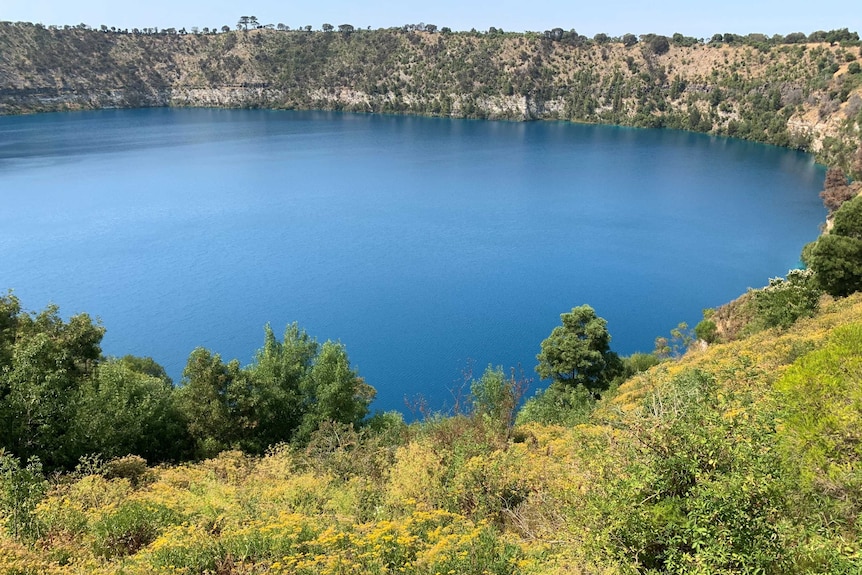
x=691, y=18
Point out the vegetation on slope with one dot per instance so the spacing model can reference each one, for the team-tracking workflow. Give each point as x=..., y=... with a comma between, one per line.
x=735, y=457
x=739, y=456
x=60, y=399
x=797, y=91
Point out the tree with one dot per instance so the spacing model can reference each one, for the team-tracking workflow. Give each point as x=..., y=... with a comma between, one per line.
x=681, y=338
x=556, y=34
x=328, y=27
x=209, y=403
x=345, y=29
x=10, y=309
x=333, y=391
x=659, y=45
x=848, y=220
x=836, y=257
x=246, y=21
x=22, y=487
x=578, y=352
x=836, y=190
x=277, y=374
x=837, y=260
x=46, y=362
x=128, y=408
x=290, y=389
x=494, y=398
x=629, y=40
x=784, y=301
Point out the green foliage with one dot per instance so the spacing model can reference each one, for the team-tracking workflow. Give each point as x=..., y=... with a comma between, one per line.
x=291, y=389
x=700, y=490
x=333, y=391
x=706, y=330
x=277, y=373
x=578, y=352
x=702, y=465
x=784, y=301
x=821, y=431
x=638, y=362
x=21, y=490
x=494, y=398
x=213, y=402
x=131, y=467
x=836, y=257
x=59, y=399
x=659, y=44
x=558, y=405
x=848, y=220
x=124, y=409
x=46, y=361
x=130, y=527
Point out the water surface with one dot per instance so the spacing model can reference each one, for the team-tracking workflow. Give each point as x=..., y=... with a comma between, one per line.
x=425, y=245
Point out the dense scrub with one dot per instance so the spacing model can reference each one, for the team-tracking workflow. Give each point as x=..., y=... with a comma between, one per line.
x=60, y=399
x=739, y=458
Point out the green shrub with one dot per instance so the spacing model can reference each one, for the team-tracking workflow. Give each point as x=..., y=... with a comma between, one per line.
x=699, y=492
x=821, y=435
x=784, y=301
x=131, y=467
x=133, y=525
x=837, y=261
x=21, y=490
x=707, y=330
x=558, y=405
x=836, y=257
x=638, y=362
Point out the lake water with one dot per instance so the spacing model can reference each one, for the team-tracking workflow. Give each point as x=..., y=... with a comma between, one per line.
x=425, y=245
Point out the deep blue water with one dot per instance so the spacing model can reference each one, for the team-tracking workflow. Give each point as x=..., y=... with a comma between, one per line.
x=424, y=245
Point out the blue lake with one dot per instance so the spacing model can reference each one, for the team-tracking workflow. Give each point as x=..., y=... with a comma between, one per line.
x=425, y=245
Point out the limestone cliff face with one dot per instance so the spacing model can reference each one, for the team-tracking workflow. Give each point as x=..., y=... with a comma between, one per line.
x=806, y=96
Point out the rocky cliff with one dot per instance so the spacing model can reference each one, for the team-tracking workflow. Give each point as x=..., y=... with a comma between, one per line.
x=807, y=96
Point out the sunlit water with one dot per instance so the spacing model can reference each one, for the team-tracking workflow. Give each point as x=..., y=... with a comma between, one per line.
x=426, y=246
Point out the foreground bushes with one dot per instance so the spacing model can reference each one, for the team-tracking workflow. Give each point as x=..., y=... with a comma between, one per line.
x=235, y=514
x=740, y=458
x=60, y=399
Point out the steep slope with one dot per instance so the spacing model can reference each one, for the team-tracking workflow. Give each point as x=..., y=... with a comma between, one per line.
x=799, y=95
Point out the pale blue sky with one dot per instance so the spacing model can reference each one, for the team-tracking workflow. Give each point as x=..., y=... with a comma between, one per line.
x=691, y=17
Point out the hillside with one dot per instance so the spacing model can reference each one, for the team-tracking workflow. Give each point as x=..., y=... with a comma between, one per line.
x=807, y=96
x=740, y=458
